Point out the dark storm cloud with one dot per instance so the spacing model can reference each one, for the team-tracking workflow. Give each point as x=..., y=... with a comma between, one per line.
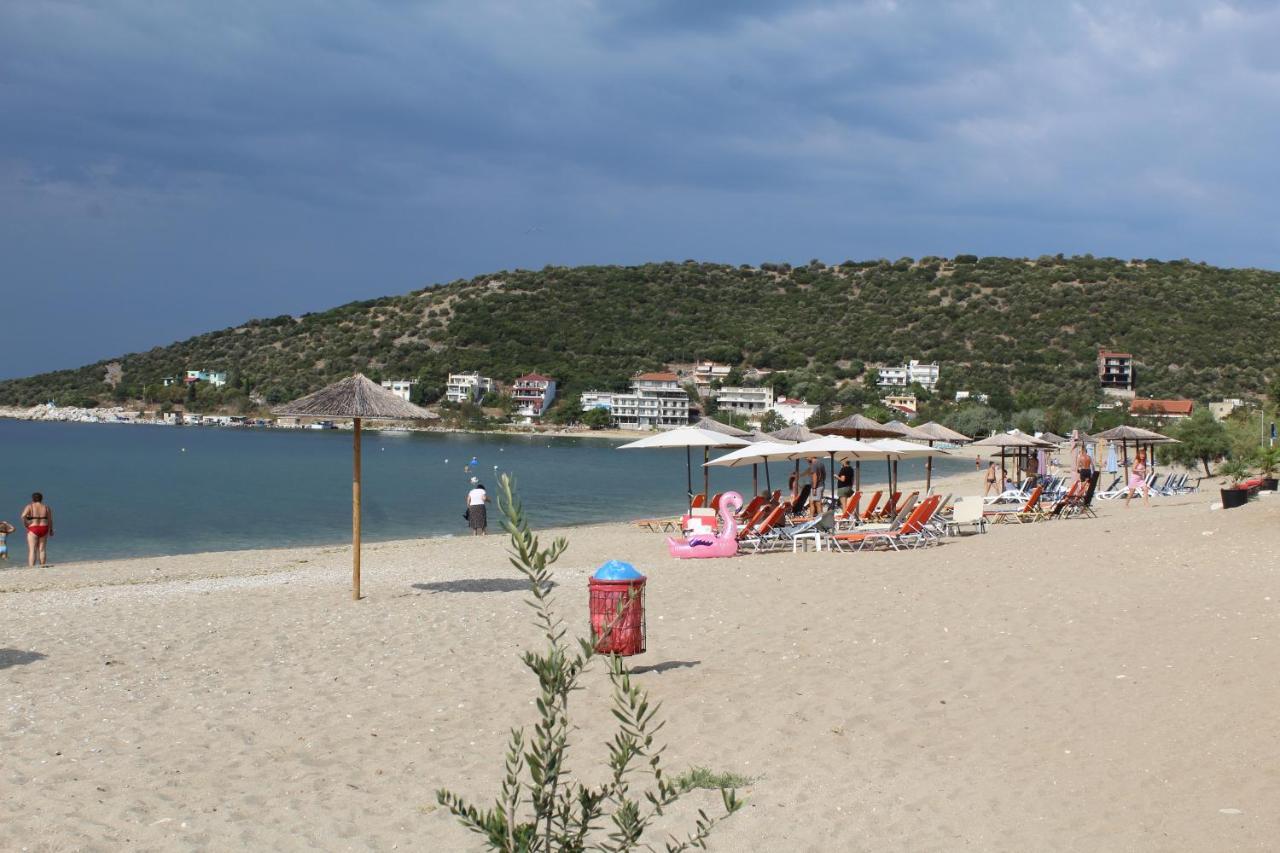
x=233, y=159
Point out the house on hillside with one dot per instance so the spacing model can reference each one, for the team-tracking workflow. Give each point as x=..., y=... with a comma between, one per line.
x=402, y=388
x=468, y=387
x=533, y=394
x=904, y=403
x=706, y=372
x=795, y=412
x=908, y=374
x=216, y=378
x=750, y=402
x=1224, y=407
x=1116, y=374
x=1164, y=410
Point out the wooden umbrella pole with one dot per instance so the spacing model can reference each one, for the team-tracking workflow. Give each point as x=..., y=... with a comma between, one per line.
x=755, y=483
x=355, y=515
x=928, y=473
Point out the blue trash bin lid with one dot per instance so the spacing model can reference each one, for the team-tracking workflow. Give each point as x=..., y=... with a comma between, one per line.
x=616, y=570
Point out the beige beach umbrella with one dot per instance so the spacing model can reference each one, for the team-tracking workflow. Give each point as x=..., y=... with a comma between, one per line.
x=937, y=432
x=687, y=437
x=907, y=450
x=358, y=398
x=793, y=433
x=760, y=451
x=1006, y=440
x=1136, y=436
x=723, y=428
x=840, y=447
x=858, y=427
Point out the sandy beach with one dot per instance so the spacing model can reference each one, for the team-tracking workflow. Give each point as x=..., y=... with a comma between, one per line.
x=1103, y=684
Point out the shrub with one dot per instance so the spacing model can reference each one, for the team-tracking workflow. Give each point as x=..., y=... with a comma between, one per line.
x=547, y=812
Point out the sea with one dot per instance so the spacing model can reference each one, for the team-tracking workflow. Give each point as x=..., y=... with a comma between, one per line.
x=128, y=490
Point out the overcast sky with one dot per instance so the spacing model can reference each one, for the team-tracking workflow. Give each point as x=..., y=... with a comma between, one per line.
x=175, y=167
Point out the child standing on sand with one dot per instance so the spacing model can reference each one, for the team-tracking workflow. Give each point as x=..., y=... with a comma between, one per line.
x=5, y=529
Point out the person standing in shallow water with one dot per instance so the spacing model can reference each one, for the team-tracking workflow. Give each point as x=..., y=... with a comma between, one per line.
x=37, y=517
x=477, y=512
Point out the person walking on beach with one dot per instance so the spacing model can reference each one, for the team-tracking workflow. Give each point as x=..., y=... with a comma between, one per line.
x=844, y=481
x=477, y=512
x=37, y=517
x=818, y=482
x=1138, y=479
x=992, y=477
x=1084, y=464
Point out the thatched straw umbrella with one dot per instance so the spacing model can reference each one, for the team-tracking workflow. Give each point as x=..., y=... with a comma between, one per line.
x=358, y=398
x=859, y=427
x=729, y=429
x=937, y=432
x=1006, y=440
x=1136, y=436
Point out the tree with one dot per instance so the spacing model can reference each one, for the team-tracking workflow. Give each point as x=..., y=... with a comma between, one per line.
x=772, y=422
x=597, y=418
x=1203, y=439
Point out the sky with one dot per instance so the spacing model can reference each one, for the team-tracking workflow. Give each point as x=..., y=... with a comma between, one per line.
x=177, y=167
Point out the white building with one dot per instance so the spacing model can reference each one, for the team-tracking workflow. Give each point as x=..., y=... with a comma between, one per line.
x=656, y=401
x=596, y=400
x=905, y=403
x=966, y=395
x=468, y=387
x=752, y=402
x=1223, y=409
x=795, y=412
x=533, y=394
x=914, y=371
x=402, y=388
x=216, y=378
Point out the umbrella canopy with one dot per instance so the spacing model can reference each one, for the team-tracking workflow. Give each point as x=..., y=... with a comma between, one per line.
x=793, y=433
x=908, y=431
x=1052, y=438
x=858, y=426
x=724, y=429
x=938, y=432
x=1125, y=433
x=354, y=397
x=687, y=437
x=1010, y=439
x=358, y=398
x=905, y=449
x=843, y=448
x=754, y=454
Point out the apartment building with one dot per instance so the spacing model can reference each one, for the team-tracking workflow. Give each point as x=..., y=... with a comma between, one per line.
x=468, y=387
x=656, y=401
x=1116, y=373
x=751, y=402
x=912, y=372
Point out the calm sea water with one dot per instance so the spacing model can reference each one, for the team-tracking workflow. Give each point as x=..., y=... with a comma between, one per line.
x=125, y=490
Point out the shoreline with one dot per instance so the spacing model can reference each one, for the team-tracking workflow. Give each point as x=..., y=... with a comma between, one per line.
x=116, y=416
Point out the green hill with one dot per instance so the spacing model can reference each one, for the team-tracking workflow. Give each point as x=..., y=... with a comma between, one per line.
x=1024, y=330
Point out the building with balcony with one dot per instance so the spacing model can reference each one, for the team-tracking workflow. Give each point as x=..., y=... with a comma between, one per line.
x=912, y=372
x=1116, y=373
x=402, y=388
x=468, y=387
x=656, y=401
x=751, y=402
x=533, y=394
x=1162, y=410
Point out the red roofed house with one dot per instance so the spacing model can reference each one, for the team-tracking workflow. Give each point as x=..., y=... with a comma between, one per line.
x=532, y=394
x=1162, y=409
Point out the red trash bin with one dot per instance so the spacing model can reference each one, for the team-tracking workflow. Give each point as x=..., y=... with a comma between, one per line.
x=617, y=609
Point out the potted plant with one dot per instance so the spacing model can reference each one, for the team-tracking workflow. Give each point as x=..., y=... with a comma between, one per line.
x=1268, y=459
x=1235, y=471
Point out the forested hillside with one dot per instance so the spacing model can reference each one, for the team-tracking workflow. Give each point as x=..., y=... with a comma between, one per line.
x=1019, y=328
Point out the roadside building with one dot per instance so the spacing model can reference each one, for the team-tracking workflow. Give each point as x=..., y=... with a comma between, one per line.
x=961, y=396
x=1223, y=408
x=402, y=388
x=1116, y=374
x=533, y=394
x=910, y=373
x=468, y=387
x=1164, y=410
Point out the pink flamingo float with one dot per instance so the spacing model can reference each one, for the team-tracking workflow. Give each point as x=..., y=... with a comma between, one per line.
x=722, y=544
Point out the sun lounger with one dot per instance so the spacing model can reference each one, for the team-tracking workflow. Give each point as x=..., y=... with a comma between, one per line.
x=1029, y=511
x=870, y=512
x=906, y=535
x=967, y=511
x=749, y=511
x=765, y=536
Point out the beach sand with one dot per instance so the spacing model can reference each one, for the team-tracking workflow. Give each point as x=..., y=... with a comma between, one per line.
x=1104, y=684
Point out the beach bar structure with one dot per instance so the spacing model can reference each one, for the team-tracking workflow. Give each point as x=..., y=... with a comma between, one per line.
x=358, y=398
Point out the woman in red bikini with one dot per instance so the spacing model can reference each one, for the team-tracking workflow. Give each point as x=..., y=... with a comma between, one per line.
x=37, y=517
